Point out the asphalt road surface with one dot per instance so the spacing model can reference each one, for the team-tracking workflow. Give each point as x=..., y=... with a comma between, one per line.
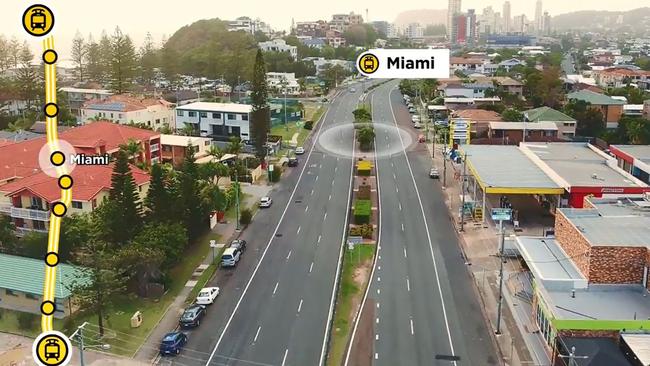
x=427, y=312
x=274, y=308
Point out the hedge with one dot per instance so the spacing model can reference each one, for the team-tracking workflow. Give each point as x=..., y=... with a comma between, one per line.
x=362, y=211
x=364, y=231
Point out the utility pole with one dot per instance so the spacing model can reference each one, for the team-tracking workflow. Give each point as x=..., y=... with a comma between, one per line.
x=502, y=232
x=433, y=149
x=237, y=196
x=572, y=357
x=444, y=161
x=79, y=335
x=462, y=208
x=284, y=84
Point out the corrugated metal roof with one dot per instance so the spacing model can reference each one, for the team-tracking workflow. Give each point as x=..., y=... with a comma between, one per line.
x=27, y=275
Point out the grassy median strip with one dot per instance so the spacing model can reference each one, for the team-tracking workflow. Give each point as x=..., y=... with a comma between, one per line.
x=355, y=274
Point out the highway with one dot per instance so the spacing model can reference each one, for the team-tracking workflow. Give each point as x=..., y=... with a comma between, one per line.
x=275, y=307
x=424, y=308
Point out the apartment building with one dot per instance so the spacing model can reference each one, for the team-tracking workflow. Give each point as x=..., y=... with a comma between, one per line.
x=78, y=96
x=279, y=45
x=219, y=121
x=126, y=109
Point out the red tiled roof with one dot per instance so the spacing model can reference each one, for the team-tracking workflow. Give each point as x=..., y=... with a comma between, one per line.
x=128, y=103
x=89, y=180
x=20, y=159
x=478, y=115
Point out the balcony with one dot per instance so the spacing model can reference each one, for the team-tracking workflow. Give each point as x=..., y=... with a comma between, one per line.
x=155, y=147
x=31, y=214
x=5, y=208
x=22, y=231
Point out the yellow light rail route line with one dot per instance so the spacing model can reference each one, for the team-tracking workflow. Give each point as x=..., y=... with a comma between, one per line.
x=58, y=209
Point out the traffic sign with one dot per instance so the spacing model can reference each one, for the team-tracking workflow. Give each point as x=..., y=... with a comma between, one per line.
x=501, y=214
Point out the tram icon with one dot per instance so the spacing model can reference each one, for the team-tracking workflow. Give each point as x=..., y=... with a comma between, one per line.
x=368, y=63
x=38, y=19
x=52, y=349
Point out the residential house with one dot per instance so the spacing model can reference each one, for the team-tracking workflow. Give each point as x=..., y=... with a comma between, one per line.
x=566, y=125
x=311, y=29
x=480, y=119
x=620, y=77
x=219, y=121
x=125, y=109
x=612, y=109
x=279, y=45
x=514, y=132
x=508, y=64
x=334, y=38
x=78, y=96
x=174, y=148
x=313, y=42
x=467, y=90
x=508, y=84
x=21, y=288
x=281, y=82
x=467, y=65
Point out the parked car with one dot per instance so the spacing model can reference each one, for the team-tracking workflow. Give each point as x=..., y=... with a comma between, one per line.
x=433, y=173
x=230, y=257
x=441, y=123
x=293, y=161
x=300, y=150
x=415, y=118
x=238, y=244
x=172, y=343
x=417, y=125
x=265, y=202
x=192, y=316
x=207, y=295
x=411, y=110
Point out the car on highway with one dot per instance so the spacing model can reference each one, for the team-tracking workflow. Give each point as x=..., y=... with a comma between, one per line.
x=293, y=161
x=207, y=295
x=238, y=244
x=172, y=343
x=265, y=202
x=434, y=174
x=192, y=316
x=230, y=257
x=300, y=150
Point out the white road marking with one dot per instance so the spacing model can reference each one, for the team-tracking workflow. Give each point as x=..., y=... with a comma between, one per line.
x=376, y=356
x=396, y=189
x=325, y=216
x=306, y=208
x=378, y=267
x=378, y=279
x=377, y=304
x=316, y=178
x=336, y=168
x=312, y=192
x=284, y=359
x=400, y=206
x=300, y=306
x=378, y=291
x=311, y=267
x=377, y=320
x=404, y=252
x=319, y=237
x=289, y=255
x=276, y=287
x=402, y=226
x=257, y=334
x=298, y=231
x=412, y=331
x=378, y=257
x=330, y=197
x=408, y=284
x=394, y=176
x=376, y=337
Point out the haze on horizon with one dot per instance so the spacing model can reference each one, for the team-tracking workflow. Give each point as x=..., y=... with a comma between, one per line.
x=136, y=18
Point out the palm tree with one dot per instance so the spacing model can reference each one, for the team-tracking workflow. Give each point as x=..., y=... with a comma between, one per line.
x=133, y=149
x=216, y=152
x=636, y=131
x=188, y=130
x=234, y=145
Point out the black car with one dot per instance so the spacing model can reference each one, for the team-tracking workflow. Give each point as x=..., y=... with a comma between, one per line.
x=293, y=162
x=238, y=244
x=192, y=316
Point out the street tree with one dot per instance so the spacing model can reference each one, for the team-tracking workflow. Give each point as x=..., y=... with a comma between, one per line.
x=158, y=203
x=590, y=121
x=512, y=115
x=366, y=136
x=124, y=214
x=193, y=212
x=260, y=115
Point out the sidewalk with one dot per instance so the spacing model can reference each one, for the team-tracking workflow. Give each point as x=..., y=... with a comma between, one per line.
x=148, y=351
x=518, y=343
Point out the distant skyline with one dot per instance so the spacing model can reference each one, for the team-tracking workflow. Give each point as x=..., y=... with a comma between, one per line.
x=136, y=18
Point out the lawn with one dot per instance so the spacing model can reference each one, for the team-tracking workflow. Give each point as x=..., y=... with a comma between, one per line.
x=349, y=293
x=313, y=111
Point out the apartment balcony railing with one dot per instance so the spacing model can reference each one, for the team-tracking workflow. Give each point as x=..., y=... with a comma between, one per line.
x=155, y=147
x=26, y=213
x=22, y=231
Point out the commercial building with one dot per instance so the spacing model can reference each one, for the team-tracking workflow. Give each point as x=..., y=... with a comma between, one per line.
x=514, y=132
x=414, y=31
x=453, y=8
x=507, y=17
x=219, y=121
x=341, y=22
x=279, y=45
x=509, y=41
x=611, y=108
x=125, y=109
x=21, y=288
x=311, y=29
x=634, y=159
x=566, y=125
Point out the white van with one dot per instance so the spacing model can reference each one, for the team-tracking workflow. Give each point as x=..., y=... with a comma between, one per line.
x=230, y=257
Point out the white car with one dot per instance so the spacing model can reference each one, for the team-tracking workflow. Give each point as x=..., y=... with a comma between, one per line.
x=417, y=125
x=265, y=202
x=207, y=295
x=230, y=257
x=300, y=150
x=415, y=118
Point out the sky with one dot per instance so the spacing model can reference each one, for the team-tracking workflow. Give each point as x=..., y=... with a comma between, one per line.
x=163, y=17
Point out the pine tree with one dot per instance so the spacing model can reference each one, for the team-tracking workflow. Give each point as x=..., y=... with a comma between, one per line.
x=79, y=51
x=260, y=118
x=93, y=60
x=105, y=57
x=123, y=62
x=194, y=212
x=148, y=59
x=158, y=201
x=124, y=219
x=27, y=81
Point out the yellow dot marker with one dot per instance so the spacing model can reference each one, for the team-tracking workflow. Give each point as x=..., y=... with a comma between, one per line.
x=38, y=20
x=48, y=308
x=52, y=259
x=57, y=158
x=51, y=110
x=59, y=209
x=50, y=57
x=65, y=182
x=52, y=349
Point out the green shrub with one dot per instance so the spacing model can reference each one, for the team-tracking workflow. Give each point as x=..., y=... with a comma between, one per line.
x=276, y=173
x=364, y=231
x=364, y=192
x=245, y=216
x=308, y=125
x=362, y=211
x=26, y=321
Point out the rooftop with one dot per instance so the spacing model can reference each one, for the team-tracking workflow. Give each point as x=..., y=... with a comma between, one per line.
x=640, y=345
x=594, y=98
x=547, y=114
x=499, y=168
x=600, y=230
x=520, y=126
x=122, y=103
x=217, y=107
x=635, y=152
x=26, y=275
x=175, y=140
x=478, y=115
x=580, y=165
x=88, y=91
x=599, y=351
x=549, y=263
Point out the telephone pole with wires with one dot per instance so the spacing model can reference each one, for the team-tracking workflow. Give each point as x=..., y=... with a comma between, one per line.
x=78, y=334
x=572, y=357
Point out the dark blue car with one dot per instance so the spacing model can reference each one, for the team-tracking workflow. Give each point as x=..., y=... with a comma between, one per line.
x=172, y=343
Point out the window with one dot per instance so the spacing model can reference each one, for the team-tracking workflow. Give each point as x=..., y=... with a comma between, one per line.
x=244, y=117
x=191, y=114
x=179, y=113
x=216, y=115
x=11, y=293
x=569, y=124
x=31, y=296
x=120, y=115
x=39, y=225
x=111, y=115
x=231, y=116
x=158, y=121
x=77, y=204
x=203, y=114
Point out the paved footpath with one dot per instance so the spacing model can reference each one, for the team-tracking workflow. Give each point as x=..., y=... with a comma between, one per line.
x=518, y=343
